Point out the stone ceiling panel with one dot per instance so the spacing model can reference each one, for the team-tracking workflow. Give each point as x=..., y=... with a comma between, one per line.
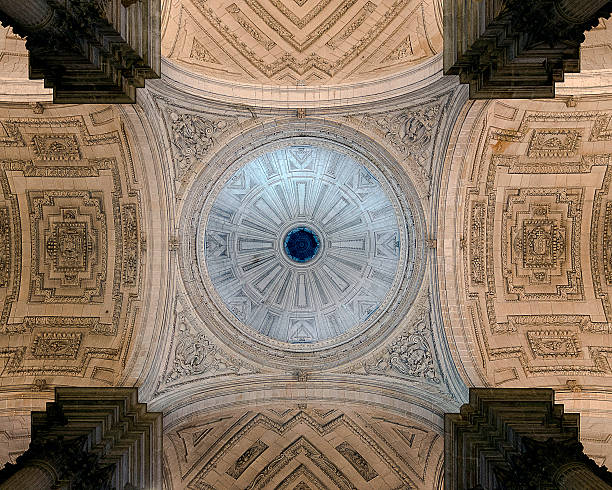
x=526, y=230
x=72, y=245
x=300, y=42
x=302, y=446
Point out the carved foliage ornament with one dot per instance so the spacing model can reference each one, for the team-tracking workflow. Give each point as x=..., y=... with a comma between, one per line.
x=410, y=131
x=193, y=136
x=195, y=355
x=409, y=355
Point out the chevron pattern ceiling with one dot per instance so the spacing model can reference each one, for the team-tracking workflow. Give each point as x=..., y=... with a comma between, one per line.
x=301, y=42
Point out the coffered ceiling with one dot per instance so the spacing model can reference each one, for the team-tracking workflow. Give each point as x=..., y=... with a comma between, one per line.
x=302, y=447
x=529, y=280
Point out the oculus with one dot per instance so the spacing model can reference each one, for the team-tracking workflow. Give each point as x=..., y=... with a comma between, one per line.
x=302, y=244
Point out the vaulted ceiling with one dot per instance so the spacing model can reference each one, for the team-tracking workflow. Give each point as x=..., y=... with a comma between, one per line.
x=302, y=447
x=102, y=207
x=301, y=42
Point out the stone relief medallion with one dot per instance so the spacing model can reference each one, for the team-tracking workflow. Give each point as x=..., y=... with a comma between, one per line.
x=302, y=244
x=301, y=251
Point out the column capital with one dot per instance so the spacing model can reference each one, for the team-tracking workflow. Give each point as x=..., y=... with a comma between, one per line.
x=513, y=438
x=516, y=48
x=93, y=438
x=89, y=51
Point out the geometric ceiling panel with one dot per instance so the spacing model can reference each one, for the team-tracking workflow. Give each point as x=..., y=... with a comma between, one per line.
x=71, y=245
x=533, y=255
x=301, y=42
x=302, y=447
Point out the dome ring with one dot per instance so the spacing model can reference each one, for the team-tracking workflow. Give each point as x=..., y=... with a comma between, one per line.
x=222, y=322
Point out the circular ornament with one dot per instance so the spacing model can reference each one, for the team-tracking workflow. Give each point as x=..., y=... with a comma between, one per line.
x=301, y=244
x=302, y=247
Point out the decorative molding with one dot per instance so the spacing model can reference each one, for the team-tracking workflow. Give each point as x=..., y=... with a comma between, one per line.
x=540, y=243
x=56, y=345
x=246, y=459
x=409, y=355
x=193, y=136
x=200, y=53
x=56, y=147
x=69, y=246
x=553, y=344
x=410, y=132
x=132, y=243
x=357, y=461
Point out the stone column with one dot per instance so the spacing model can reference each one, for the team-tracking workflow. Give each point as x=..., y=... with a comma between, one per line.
x=578, y=12
x=31, y=14
x=89, y=51
x=516, y=48
x=31, y=476
x=515, y=439
x=90, y=438
x=577, y=476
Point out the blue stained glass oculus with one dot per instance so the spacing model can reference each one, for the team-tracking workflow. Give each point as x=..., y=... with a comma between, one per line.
x=301, y=244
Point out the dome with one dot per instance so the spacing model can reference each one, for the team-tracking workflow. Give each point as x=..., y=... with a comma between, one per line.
x=302, y=244
x=301, y=248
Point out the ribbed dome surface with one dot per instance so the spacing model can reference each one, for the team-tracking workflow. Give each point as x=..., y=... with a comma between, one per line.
x=317, y=199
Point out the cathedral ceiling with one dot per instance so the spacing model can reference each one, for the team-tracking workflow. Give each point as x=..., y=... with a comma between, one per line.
x=527, y=269
x=300, y=42
x=309, y=446
x=207, y=276
x=523, y=244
